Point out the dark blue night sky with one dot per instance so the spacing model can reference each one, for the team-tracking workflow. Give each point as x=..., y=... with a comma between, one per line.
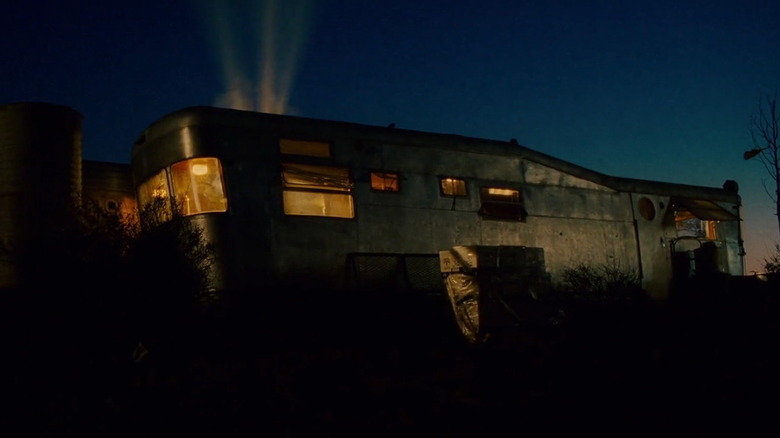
x=659, y=90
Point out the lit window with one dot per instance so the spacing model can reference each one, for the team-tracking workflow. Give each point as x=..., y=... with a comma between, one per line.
x=384, y=181
x=452, y=186
x=154, y=198
x=310, y=190
x=689, y=225
x=502, y=203
x=198, y=186
x=304, y=147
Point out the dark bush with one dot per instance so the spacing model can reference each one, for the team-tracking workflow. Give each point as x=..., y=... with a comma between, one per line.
x=603, y=281
x=772, y=263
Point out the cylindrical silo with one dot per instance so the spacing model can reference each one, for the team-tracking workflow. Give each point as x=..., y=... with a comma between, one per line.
x=40, y=175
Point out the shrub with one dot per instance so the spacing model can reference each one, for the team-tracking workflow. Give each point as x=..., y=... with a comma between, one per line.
x=171, y=261
x=93, y=266
x=603, y=280
x=772, y=263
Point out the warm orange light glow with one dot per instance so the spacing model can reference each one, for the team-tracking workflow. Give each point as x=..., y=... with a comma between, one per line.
x=310, y=190
x=200, y=169
x=501, y=203
x=502, y=192
x=299, y=203
x=710, y=230
x=453, y=187
x=198, y=187
x=384, y=181
x=499, y=194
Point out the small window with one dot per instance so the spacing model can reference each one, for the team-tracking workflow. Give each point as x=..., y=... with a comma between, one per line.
x=646, y=208
x=309, y=190
x=198, y=186
x=154, y=199
x=453, y=186
x=502, y=203
x=304, y=147
x=384, y=181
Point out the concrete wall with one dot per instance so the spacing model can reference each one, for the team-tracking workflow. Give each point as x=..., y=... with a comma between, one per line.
x=574, y=220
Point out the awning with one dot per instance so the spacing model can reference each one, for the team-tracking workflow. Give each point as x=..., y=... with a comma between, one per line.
x=704, y=210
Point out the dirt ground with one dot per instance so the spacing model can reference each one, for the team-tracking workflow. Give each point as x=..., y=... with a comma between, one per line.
x=394, y=365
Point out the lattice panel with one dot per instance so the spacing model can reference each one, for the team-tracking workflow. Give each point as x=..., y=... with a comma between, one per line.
x=423, y=272
x=376, y=271
x=395, y=271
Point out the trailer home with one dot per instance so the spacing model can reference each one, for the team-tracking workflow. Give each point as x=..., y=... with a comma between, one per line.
x=301, y=202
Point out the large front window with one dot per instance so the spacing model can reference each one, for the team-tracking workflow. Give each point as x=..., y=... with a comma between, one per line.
x=310, y=190
x=198, y=186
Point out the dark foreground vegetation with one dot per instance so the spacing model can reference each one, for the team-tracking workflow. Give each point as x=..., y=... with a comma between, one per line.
x=392, y=364
x=114, y=334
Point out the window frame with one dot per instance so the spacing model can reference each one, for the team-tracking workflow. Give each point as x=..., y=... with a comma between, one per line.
x=397, y=180
x=311, y=188
x=196, y=188
x=496, y=207
x=443, y=191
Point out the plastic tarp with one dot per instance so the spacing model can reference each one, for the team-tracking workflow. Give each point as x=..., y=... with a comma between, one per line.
x=493, y=289
x=463, y=292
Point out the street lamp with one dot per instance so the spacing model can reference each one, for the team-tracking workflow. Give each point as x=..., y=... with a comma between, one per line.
x=753, y=152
